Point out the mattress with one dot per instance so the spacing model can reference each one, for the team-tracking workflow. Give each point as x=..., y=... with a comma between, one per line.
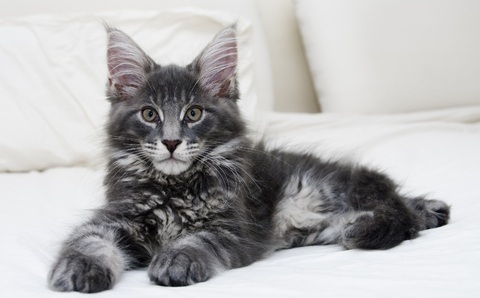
x=434, y=153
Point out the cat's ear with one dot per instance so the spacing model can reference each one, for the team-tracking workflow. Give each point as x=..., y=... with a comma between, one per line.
x=128, y=64
x=217, y=64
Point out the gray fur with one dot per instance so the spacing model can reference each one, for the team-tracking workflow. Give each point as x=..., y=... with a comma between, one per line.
x=189, y=195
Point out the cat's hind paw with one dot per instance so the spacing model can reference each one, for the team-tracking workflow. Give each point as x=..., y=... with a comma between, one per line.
x=379, y=229
x=437, y=213
x=430, y=213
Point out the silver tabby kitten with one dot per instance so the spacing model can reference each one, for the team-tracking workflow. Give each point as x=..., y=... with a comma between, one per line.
x=189, y=195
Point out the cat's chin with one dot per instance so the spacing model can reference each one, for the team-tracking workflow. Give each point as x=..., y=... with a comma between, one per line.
x=172, y=167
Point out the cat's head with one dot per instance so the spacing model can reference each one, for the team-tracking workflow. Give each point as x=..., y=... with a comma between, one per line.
x=168, y=116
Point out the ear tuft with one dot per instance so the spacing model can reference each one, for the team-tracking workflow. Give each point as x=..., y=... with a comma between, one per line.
x=217, y=64
x=127, y=64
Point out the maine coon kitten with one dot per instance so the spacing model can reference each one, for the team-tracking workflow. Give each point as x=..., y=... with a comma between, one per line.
x=189, y=195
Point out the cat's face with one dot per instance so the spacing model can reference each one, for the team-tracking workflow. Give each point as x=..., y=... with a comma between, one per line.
x=171, y=116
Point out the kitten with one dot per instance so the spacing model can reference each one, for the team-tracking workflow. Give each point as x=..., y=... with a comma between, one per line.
x=189, y=195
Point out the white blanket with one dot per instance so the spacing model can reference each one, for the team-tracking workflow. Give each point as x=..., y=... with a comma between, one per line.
x=435, y=153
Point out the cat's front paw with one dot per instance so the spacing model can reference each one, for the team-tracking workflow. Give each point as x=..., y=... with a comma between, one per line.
x=77, y=272
x=182, y=267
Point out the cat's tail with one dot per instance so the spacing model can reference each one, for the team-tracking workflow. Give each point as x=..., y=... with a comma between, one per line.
x=430, y=213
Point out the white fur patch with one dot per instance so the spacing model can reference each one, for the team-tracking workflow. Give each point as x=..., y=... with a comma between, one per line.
x=171, y=163
x=303, y=212
x=299, y=209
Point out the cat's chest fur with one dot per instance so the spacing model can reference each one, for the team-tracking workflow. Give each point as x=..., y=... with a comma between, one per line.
x=163, y=209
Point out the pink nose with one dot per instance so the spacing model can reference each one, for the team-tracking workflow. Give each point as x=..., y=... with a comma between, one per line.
x=171, y=145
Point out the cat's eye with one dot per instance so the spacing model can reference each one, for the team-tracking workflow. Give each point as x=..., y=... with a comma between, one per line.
x=194, y=114
x=149, y=114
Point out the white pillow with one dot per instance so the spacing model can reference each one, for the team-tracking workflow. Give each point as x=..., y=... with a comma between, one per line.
x=52, y=103
x=376, y=56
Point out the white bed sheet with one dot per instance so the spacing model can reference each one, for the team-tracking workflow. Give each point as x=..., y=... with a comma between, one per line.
x=437, y=153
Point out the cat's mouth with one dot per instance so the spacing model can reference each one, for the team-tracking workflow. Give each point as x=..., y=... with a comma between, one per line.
x=170, y=161
x=172, y=165
x=176, y=157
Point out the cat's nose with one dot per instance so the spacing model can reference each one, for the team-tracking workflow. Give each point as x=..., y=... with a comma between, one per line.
x=171, y=144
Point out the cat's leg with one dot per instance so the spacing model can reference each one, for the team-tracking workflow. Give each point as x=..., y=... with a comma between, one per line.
x=198, y=257
x=390, y=220
x=91, y=260
x=324, y=203
x=353, y=206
